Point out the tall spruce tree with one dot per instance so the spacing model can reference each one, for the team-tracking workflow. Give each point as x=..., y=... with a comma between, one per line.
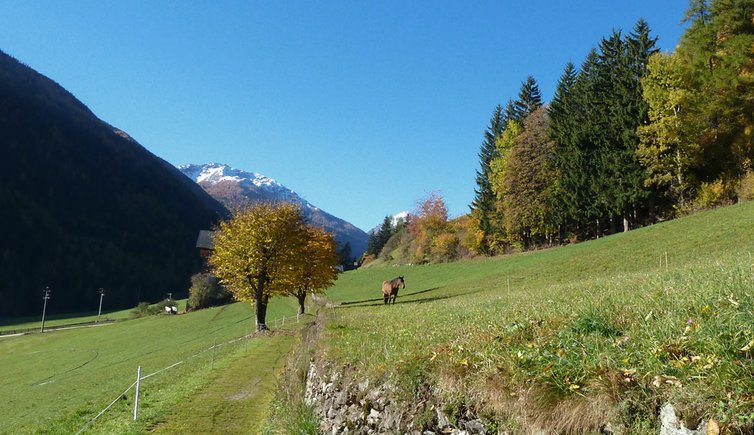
x=565, y=153
x=509, y=112
x=576, y=155
x=698, y=11
x=620, y=189
x=640, y=46
x=483, y=206
x=379, y=237
x=608, y=115
x=345, y=256
x=562, y=105
x=529, y=100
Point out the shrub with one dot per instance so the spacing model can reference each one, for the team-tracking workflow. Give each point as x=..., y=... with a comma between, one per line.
x=366, y=259
x=745, y=191
x=444, y=247
x=712, y=195
x=145, y=309
x=469, y=236
x=206, y=291
x=140, y=310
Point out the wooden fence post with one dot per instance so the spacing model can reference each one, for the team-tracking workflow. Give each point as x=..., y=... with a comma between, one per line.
x=136, y=397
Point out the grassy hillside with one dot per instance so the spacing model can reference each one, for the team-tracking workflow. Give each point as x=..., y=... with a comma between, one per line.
x=571, y=338
x=57, y=381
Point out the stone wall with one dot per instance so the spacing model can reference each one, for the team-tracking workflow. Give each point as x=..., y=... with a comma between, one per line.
x=346, y=405
x=350, y=406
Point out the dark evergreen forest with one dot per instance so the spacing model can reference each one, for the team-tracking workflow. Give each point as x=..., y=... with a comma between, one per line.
x=631, y=137
x=83, y=206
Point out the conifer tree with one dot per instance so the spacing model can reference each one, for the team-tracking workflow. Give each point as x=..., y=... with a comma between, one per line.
x=562, y=114
x=698, y=11
x=575, y=152
x=379, y=237
x=509, y=112
x=372, y=244
x=483, y=206
x=529, y=100
x=620, y=189
x=562, y=105
x=345, y=255
x=641, y=46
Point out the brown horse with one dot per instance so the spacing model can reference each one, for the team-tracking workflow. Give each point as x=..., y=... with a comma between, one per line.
x=390, y=288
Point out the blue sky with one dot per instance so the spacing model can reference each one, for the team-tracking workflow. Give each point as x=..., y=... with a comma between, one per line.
x=362, y=107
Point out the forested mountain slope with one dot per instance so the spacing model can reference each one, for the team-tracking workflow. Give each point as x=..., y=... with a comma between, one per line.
x=85, y=207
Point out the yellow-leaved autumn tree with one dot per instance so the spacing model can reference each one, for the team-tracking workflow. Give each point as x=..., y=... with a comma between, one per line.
x=316, y=266
x=257, y=254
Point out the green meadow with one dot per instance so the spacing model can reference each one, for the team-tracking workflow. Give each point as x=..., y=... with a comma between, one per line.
x=570, y=338
x=11, y=324
x=564, y=339
x=57, y=381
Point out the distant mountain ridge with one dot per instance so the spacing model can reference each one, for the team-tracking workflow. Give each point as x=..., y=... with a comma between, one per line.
x=83, y=206
x=237, y=188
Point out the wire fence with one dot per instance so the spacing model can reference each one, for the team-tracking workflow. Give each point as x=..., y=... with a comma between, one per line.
x=214, y=349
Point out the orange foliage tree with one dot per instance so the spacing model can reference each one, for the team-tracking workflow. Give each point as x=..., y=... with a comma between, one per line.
x=430, y=233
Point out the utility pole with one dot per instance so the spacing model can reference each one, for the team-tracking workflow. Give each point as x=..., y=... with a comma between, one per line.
x=101, y=295
x=45, y=297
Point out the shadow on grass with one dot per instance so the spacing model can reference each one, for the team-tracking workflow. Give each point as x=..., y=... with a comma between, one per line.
x=380, y=301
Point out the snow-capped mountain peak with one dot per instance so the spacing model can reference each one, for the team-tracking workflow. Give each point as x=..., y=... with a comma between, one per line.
x=237, y=189
x=216, y=173
x=402, y=216
x=394, y=221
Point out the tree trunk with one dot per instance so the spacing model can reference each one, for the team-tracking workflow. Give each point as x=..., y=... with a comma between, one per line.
x=679, y=178
x=301, y=296
x=625, y=224
x=260, y=300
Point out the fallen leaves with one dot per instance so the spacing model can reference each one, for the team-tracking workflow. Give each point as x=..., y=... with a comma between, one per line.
x=661, y=380
x=713, y=428
x=628, y=374
x=748, y=346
